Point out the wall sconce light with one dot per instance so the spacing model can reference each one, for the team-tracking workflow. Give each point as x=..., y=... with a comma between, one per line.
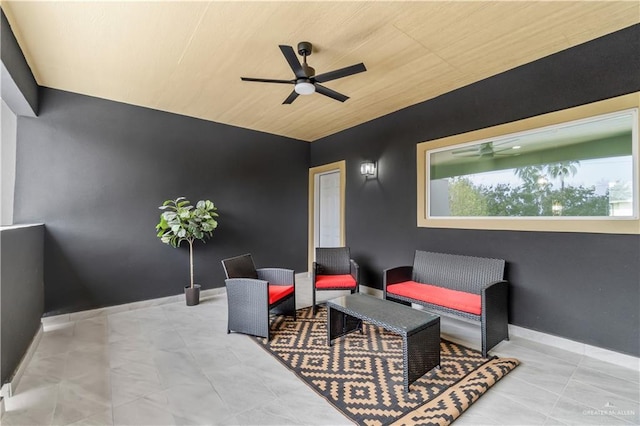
x=368, y=169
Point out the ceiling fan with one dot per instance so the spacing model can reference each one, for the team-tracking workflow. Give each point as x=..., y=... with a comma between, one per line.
x=485, y=149
x=306, y=82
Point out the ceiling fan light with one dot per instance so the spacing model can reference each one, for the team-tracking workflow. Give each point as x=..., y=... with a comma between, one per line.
x=304, y=88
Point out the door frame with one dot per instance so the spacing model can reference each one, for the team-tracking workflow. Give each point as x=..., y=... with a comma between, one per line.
x=339, y=166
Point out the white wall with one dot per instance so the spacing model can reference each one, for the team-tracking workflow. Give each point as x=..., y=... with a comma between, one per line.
x=8, y=125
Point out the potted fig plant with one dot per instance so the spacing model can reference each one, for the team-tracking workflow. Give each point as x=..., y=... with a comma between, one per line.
x=180, y=221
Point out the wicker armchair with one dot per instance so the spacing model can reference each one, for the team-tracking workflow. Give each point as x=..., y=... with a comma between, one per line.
x=253, y=293
x=334, y=270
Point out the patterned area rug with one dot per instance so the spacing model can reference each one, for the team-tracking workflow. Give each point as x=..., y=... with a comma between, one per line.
x=361, y=374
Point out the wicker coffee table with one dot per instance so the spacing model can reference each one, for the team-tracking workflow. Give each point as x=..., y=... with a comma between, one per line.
x=420, y=330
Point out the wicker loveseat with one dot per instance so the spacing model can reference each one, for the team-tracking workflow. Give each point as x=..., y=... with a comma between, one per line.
x=469, y=287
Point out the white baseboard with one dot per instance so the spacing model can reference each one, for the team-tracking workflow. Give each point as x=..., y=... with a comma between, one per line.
x=371, y=291
x=52, y=321
x=601, y=354
x=605, y=355
x=7, y=389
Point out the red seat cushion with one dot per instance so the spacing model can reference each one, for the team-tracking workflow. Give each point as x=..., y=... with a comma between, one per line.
x=454, y=299
x=335, y=281
x=277, y=292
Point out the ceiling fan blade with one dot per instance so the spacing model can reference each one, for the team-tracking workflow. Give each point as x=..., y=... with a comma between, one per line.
x=292, y=97
x=463, y=150
x=502, y=149
x=342, y=72
x=267, y=80
x=330, y=93
x=506, y=141
x=294, y=63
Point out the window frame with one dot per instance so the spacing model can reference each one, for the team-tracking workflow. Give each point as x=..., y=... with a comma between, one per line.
x=613, y=225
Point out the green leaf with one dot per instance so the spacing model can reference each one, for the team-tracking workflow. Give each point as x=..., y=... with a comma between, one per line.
x=169, y=215
x=180, y=221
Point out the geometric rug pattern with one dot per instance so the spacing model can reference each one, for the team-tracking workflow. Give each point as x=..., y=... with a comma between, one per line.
x=362, y=375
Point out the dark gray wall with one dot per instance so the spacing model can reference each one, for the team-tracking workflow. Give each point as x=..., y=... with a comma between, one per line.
x=95, y=171
x=22, y=298
x=19, y=87
x=580, y=286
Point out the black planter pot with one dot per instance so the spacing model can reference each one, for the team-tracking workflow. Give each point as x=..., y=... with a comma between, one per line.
x=192, y=294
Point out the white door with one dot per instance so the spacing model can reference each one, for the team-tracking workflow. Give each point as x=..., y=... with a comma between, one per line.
x=327, y=209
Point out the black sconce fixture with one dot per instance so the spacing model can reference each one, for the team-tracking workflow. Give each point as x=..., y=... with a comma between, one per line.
x=368, y=169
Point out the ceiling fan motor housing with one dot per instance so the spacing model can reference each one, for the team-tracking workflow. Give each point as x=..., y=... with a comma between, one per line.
x=309, y=71
x=304, y=48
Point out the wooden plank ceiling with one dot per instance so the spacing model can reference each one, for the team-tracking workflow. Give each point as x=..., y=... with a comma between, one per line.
x=187, y=57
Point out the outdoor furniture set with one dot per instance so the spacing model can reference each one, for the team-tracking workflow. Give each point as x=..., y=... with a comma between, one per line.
x=465, y=286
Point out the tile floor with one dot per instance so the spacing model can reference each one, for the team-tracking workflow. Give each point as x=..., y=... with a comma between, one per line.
x=176, y=365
